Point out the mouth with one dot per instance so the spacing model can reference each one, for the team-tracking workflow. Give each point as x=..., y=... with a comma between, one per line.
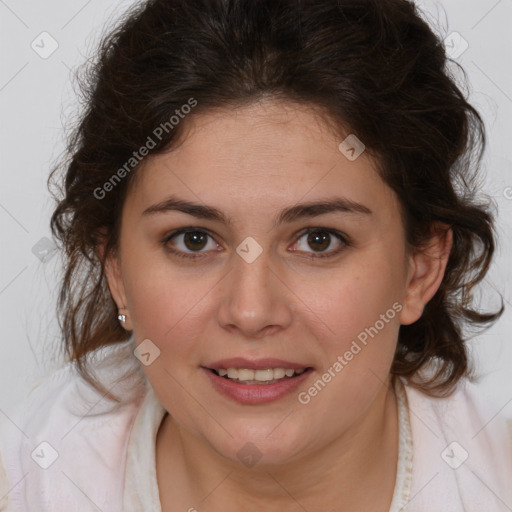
x=253, y=386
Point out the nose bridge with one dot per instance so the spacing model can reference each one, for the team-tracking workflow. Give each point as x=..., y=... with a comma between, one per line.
x=254, y=298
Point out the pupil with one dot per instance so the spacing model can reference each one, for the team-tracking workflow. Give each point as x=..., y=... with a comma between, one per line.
x=319, y=237
x=194, y=237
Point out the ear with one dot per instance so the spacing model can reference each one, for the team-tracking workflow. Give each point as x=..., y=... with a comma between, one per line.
x=115, y=282
x=426, y=273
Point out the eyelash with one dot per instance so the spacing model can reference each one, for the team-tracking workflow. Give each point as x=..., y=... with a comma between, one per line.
x=192, y=256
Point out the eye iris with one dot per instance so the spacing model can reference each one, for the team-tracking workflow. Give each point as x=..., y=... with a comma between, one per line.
x=194, y=237
x=319, y=237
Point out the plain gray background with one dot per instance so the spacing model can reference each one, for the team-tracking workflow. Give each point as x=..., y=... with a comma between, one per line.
x=43, y=42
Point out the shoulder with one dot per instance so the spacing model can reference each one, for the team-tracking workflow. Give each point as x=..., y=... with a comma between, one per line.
x=462, y=446
x=466, y=407
x=65, y=432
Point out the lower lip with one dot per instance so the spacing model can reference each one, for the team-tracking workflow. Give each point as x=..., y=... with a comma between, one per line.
x=255, y=393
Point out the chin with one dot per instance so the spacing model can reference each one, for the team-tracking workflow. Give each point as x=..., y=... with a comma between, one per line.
x=260, y=444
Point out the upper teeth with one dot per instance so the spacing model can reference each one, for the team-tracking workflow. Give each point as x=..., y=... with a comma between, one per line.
x=259, y=375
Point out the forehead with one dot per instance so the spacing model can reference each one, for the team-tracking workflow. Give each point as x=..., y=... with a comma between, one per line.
x=267, y=153
x=268, y=132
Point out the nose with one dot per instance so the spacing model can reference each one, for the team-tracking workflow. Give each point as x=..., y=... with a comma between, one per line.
x=255, y=298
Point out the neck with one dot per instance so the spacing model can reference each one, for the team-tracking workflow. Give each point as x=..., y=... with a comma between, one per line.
x=357, y=471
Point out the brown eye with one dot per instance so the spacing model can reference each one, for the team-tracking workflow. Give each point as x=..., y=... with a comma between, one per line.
x=189, y=243
x=319, y=240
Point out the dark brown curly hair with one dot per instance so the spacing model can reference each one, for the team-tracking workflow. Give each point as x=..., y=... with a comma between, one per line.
x=374, y=66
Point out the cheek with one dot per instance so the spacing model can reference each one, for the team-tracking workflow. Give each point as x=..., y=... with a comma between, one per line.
x=166, y=304
x=353, y=298
x=159, y=291
x=359, y=311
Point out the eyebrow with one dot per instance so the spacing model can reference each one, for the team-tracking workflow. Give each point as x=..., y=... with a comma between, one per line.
x=287, y=215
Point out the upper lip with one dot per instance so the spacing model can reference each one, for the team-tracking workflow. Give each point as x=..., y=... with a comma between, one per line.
x=255, y=364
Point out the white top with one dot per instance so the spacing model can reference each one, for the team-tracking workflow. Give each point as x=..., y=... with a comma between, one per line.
x=67, y=449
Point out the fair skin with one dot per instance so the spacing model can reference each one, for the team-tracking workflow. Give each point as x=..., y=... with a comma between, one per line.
x=339, y=451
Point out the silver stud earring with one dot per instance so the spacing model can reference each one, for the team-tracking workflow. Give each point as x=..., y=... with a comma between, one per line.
x=122, y=316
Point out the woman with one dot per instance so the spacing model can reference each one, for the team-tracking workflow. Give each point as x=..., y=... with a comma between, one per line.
x=272, y=240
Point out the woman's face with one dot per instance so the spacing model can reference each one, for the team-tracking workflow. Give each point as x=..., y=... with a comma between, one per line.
x=255, y=285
